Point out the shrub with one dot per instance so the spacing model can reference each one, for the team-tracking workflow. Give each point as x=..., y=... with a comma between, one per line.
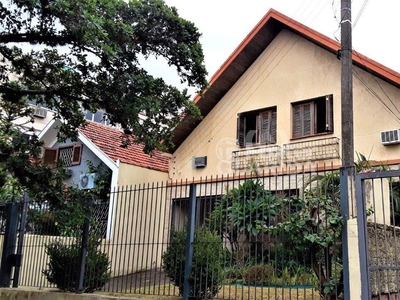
x=259, y=274
x=206, y=275
x=42, y=222
x=63, y=268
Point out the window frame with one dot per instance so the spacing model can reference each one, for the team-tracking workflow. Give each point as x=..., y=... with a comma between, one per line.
x=52, y=155
x=306, y=117
x=264, y=126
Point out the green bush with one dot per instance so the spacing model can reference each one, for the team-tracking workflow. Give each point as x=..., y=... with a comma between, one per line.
x=259, y=274
x=207, y=267
x=63, y=268
x=234, y=274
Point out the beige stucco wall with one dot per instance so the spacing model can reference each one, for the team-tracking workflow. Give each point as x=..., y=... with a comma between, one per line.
x=131, y=175
x=289, y=70
x=35, y=259
x=137, y=232
x=138, y=218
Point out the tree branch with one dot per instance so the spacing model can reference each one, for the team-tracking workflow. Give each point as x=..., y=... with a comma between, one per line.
x=37, y=38
x=5, y=89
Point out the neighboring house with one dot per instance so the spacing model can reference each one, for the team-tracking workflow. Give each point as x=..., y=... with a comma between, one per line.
x=100, y=145
x=276, y=101
x=41, y=117
x=97, y=144
x=121, y=216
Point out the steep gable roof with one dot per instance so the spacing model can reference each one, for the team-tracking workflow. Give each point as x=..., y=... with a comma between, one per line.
x=107, y=139
x=248, y=51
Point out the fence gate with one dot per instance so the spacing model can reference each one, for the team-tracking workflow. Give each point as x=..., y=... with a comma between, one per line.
x=378, y=211
x=13, y=219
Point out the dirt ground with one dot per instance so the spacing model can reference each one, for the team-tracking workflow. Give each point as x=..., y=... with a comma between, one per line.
x=135, y=281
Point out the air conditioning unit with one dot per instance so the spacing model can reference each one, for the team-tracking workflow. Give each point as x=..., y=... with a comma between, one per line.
x=390, y=137
x=200, y=162
x=86, y=181
x=40, y=112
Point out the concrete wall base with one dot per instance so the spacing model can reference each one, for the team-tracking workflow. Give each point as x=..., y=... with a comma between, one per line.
x=29, y=294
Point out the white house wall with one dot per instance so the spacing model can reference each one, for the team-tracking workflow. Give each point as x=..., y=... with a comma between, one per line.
x=87, y=156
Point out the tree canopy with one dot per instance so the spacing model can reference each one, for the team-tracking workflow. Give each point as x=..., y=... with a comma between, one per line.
x=68, y=54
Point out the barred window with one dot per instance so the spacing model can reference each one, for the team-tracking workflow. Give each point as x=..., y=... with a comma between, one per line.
x=69, y=155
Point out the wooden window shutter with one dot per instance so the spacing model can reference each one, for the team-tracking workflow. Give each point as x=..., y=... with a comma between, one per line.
x=308, y=117
x=273, y=127
x=303, y=119
x=241, y=130
x=50, y=156
x=263, y=127
x=329, y=113
x=267, y=127
x=76, y=155
x=297, y=121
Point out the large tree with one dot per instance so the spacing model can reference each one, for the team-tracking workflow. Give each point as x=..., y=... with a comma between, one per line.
x=74, y=54
x=88, y=52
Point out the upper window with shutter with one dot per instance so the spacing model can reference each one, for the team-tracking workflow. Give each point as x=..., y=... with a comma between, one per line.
x=256, y=127
x=312, y=117
x=69, y=155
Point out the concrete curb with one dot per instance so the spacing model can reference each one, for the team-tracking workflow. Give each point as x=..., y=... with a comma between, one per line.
x=26, y=294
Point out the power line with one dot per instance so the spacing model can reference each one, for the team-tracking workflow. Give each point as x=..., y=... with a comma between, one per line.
x=376, y=96
x=360, y=13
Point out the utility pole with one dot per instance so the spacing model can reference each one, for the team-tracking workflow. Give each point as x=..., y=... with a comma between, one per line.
x=347, y=85
x=347, y=170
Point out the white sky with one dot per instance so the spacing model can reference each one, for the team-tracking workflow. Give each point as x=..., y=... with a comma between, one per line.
x=225, y=23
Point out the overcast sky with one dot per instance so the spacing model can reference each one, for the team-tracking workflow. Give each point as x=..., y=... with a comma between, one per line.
x=225, y=23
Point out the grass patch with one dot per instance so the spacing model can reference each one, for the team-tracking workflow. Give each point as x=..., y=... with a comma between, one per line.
x=226, y=292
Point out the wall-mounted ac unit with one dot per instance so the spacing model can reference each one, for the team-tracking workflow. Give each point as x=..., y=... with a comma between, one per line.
x=390, y=137
x=40, y=112
x=86, y=181
x=200, y=162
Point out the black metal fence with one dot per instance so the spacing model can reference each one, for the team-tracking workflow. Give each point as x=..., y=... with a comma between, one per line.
x=379, y=233
x=255, y=236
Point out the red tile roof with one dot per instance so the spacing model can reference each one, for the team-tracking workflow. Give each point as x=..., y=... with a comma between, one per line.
x=108, y=140
x=247, y=52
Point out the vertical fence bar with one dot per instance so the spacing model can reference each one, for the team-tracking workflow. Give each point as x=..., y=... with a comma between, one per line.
x=84, y=248
x=20, y=241
x=10, y=238
x=362, y=239
x=189, y=240
x=344, y=209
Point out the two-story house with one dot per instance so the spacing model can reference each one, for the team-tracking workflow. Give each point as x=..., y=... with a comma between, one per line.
x=276, y=102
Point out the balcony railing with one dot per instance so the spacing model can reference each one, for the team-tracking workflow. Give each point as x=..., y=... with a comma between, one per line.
x=313, y=150
x=262, y=156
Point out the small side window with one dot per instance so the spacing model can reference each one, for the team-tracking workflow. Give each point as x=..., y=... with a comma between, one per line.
x=76, y=155
x=69, y=155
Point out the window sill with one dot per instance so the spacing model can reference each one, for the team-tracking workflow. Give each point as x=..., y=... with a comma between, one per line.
x=252, y=146
x=311, y=136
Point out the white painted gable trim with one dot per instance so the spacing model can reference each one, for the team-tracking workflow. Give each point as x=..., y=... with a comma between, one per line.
x=45, y=134
x=100, y=154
